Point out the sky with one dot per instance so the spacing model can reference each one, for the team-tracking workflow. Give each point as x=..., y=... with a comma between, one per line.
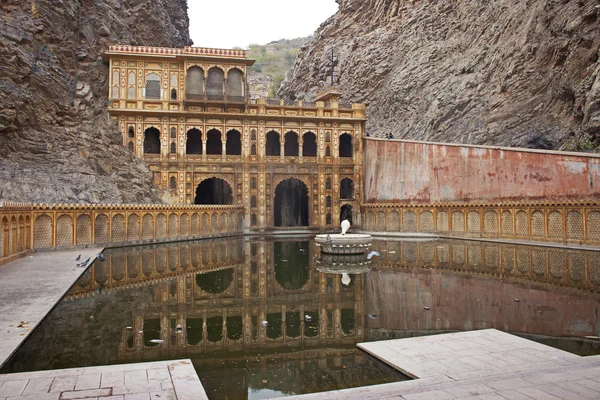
x=238, y=23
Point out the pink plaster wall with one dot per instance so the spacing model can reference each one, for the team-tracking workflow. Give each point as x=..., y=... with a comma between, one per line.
x=418, y=172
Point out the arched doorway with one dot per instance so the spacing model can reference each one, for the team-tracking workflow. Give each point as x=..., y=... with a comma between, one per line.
x=309, y=145
x=152, y=141
x=193, y=144
x=346, y=189
x=214, y=191
x=346, y=213
x=290, y=147
x=346, y=145
x=213, y=142
x=273, y=147
x=291, y=203
x=233, y=145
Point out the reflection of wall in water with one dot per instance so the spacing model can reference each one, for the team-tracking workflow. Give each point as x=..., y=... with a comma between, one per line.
x=474, y=286
x=219, y=297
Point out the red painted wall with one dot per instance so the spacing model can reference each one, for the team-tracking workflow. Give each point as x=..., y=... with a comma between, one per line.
x=419, y=172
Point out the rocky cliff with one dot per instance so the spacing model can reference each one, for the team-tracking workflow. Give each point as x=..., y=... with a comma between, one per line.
x=505, y=72
x=56, y=142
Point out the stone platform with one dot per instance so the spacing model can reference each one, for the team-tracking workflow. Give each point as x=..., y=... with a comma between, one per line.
x=30, y=287
x=164, y=380
x=485, y=364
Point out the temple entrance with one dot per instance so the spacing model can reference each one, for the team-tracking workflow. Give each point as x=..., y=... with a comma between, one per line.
x=291, y=203
x=214, y=191
x=346, y=213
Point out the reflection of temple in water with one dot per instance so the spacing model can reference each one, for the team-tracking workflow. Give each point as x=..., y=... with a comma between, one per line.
x=214, y=296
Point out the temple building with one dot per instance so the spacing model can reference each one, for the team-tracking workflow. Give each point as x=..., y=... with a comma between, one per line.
x=187, y=113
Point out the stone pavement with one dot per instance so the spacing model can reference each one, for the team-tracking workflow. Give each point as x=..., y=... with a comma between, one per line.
x=30, y=287
x=164, y=380
x=485, y=364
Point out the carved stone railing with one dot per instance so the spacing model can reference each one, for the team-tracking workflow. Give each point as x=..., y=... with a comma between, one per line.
x=576, y=222
x=24, y=227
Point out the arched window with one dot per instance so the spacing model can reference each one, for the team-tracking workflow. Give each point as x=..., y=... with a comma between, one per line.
x=173, y=148
x=328, y=219
x=345, y=145
x=253, y=134
x=174, y=79
x=172, y=183
x=194, y=84
x=152, y=141
x=213, y=142
x=328, y=184
x=290, y=148
x=309, y=145
x=273, y=147
x=327, y=137
x=235, y=84
x=214, y=85
x=115, y=92
x=253, y=183
x=173, y=132
x=173, y=94
x=130, y=146
x=193, y=145
x=233, y=145
x=152, y=90
x=327, y=152
x=346, y=189
x=131, y=132
x=131, y=86
x=253, y=201
x=328, y=201
x=253, y=150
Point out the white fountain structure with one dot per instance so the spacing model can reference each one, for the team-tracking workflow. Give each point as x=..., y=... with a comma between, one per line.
x=344, y=243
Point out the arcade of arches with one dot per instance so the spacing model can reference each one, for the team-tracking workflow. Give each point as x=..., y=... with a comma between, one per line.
x=188, y=116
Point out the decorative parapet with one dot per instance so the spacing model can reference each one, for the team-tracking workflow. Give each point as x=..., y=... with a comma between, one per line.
x=568, y=222
x=24, y=227
x=171, y=52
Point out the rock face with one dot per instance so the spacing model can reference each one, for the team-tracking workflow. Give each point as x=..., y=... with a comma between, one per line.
x=516, y=73
x=56, y=141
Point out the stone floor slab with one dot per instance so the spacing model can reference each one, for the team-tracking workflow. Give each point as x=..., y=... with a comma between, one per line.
x=27, y=295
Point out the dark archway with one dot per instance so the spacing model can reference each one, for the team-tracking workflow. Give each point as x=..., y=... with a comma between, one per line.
x=273, y=147
x=193, y=145
x=291, y=203
x=346, y=145
x=290, y=148
x=235, y=327
x=233, y=145
x=152, y=141
x=215, y=282
x=346, y=213
x=214, y=145
x=291, y=264
x=214, y=191
x=347, y=189
x=309, y=145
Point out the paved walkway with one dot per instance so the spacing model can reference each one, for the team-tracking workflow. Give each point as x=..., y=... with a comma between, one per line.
x=164, y=380
x=485, y=364
x=30, y=287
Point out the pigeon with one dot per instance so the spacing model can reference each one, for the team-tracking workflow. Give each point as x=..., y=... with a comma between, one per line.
x=372, y=254
x=78, y=258
x=157, y=341
x=329, y=239
x=101, y=257
x=264, y=323
x=373, y=316
x=307, y=318
x=179, y=328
